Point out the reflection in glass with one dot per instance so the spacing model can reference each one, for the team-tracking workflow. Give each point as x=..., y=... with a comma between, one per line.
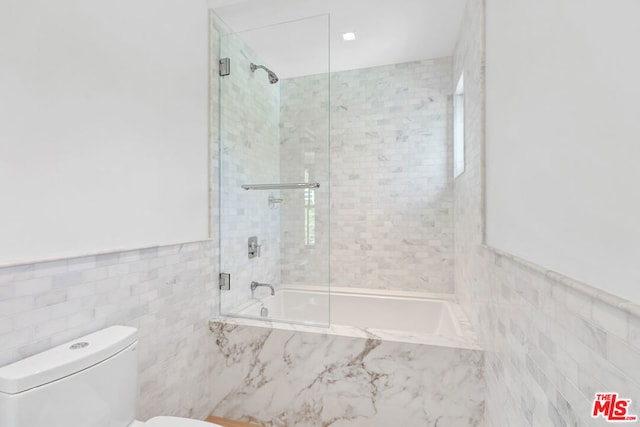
x=274, y=128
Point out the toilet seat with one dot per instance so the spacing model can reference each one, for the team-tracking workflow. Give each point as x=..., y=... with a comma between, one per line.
x=177, y=422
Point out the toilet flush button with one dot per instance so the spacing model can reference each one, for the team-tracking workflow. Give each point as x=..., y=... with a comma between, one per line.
x=79, y=345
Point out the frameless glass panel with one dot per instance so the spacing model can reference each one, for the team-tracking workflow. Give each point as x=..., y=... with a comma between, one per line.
x=274, y=172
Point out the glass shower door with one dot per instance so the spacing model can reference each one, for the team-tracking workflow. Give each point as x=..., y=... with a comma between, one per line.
x=274, y=172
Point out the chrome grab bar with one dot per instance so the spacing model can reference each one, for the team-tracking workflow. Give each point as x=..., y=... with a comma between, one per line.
x=291, y=186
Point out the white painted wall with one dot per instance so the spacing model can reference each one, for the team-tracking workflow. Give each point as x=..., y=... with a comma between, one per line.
x=563, y=137
x=103, y=134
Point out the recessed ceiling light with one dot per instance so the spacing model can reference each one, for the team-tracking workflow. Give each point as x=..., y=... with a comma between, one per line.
x=348, y=36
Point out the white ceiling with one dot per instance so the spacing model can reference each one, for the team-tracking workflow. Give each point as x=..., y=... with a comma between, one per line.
x=387, y=31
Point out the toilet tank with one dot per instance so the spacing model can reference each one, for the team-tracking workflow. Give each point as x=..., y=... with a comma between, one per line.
x=88, y=382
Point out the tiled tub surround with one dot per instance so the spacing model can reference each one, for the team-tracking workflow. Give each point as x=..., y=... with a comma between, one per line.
x=168, y=293
x=293, y=375
x=304, y=154
x=551, y=342
x=249, y=154
x=391, y=185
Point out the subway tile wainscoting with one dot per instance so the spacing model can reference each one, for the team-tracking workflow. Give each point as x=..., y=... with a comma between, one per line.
x=551, y=343
x=167, y=292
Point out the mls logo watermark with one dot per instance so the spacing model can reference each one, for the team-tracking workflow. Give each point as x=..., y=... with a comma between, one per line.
x=612, y=409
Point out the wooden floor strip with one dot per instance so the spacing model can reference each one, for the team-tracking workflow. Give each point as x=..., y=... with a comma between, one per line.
x=229, y=423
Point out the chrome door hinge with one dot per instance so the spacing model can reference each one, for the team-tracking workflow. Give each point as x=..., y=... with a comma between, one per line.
x=225, y=281
x=225, y=67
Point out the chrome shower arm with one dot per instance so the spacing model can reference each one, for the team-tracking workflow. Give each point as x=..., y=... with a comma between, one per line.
x=273, y=78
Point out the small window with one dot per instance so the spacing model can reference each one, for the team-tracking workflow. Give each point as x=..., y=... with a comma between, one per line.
x=458, y=128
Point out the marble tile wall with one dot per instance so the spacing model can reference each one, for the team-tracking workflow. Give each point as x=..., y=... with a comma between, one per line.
x=250, y=154
x=391, y=185
x=277, y=377
x=551, y=342
x=167, y=292
x=304, y=154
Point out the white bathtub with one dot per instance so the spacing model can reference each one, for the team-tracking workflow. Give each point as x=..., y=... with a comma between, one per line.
x=408, y=313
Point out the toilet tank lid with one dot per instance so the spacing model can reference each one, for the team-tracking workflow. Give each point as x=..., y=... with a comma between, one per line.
x=66, y=359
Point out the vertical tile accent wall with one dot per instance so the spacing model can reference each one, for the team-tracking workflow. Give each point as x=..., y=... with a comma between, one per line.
x=391, y=189
x=166, y=292
x=551, y=342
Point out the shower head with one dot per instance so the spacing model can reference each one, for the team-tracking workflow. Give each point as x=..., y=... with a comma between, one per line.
x=273, y=78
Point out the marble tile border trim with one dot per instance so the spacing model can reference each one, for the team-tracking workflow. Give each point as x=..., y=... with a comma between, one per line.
x=558, y=278
x=19, y=264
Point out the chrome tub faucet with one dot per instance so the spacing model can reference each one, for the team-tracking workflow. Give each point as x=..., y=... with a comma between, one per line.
x=254, y=285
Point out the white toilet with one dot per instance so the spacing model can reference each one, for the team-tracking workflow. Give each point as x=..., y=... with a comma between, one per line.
x=89, y=382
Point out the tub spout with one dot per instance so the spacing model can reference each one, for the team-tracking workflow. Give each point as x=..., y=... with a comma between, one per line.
x=254, y=285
